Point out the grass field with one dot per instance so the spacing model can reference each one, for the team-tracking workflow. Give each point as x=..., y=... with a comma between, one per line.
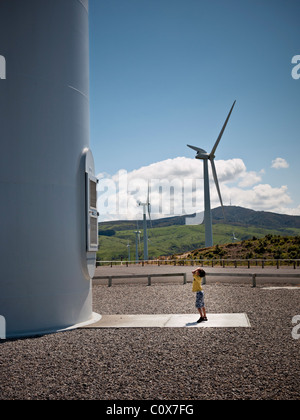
x=171, y=240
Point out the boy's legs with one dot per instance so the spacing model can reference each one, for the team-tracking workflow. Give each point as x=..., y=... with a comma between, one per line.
x=200, y=306
x=202, y=312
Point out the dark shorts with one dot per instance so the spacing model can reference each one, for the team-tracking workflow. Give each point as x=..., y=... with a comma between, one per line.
x=200, y=300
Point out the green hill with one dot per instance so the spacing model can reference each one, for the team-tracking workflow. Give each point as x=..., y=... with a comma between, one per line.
x=268, y=247
x=170, y=236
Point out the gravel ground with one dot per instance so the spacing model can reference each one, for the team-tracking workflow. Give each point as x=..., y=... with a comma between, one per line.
x=262, y=362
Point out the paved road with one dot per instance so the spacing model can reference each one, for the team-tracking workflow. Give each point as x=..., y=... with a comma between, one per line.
x=153, y=269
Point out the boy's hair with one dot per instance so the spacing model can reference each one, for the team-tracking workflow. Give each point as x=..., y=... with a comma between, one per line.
x=201, y=273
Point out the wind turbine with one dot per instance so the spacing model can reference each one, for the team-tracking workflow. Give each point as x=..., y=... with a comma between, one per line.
x=203, y=155
x=146, y=208
x=137, y=242
x=128, y=248
x=234, y=238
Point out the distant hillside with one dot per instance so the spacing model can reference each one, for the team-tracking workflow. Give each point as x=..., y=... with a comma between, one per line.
x=240, y=216
x=170, y=236
x=237, y=216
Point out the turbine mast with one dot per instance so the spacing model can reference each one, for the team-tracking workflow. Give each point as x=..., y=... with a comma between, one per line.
x=145, y=234
x=146, y=207
x=207, y=210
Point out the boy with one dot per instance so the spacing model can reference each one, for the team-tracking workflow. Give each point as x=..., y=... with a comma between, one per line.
x=199, y=275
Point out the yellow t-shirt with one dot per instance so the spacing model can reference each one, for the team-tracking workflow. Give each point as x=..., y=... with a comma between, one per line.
x=197, y=284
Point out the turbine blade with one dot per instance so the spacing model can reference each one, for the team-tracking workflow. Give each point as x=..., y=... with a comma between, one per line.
x=149, y=204
x=148, y=195
x=197, y=149
x=222, y=132
x=214, y=171
x=149, y=214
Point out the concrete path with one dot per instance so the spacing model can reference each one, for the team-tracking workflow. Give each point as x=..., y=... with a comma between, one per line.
x=172, y=321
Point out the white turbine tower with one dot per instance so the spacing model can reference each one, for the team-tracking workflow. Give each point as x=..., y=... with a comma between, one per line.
x=203, y=155
x=48, y=184
x=137, y=243
x=146, y=208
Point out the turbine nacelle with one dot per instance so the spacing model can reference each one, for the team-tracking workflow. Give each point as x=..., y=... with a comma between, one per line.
x=201, y=153
x=202, y=156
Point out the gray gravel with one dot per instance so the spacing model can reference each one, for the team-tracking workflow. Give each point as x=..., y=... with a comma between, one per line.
x=258, y=363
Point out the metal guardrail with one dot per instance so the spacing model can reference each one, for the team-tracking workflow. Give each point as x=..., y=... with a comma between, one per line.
x=209, y=263
x=139, y=276
x=253, y=276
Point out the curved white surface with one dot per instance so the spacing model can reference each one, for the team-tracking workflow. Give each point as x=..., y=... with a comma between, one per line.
x=44, y=120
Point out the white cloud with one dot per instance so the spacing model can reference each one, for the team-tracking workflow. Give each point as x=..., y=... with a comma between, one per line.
x=263, y=197
x=280, y=163
x=230, y=170
x=177, y=188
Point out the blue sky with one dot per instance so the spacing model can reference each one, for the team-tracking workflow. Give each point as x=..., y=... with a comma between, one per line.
x=164, y=73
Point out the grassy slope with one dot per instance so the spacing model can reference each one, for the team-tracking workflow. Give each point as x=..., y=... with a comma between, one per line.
x=164, y=241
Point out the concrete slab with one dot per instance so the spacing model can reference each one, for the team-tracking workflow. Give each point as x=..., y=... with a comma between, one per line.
x=214, y=321
x=172, y=321
x=131, y=321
